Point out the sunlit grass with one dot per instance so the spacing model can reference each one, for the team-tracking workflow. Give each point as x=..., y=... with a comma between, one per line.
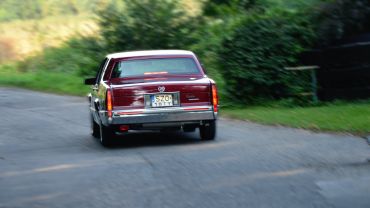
x=56, y=82
x=27, y=37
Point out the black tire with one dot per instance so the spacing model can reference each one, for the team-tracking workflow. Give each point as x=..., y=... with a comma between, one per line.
x=106, y=136
x=208, y=130
x=95, y=128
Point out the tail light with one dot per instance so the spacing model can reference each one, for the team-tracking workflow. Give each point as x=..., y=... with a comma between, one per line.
x=109, y=103
x=214, y=98
x=124, y=127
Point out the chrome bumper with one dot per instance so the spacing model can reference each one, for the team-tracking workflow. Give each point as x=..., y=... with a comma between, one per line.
x=163, y=115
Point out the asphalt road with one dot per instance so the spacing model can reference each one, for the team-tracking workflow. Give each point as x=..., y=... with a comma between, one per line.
x=48, y=159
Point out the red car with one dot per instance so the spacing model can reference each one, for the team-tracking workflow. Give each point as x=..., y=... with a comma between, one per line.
x=152, y=90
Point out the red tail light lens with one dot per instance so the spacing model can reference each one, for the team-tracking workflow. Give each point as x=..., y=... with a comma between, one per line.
x=109, y=103
x=124, y=128
x=214, y=98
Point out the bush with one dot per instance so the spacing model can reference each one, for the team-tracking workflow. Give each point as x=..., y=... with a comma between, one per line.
x=254, y=57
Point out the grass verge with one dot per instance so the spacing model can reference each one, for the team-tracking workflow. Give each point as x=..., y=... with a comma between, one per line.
x=55, y=82
x=337, y=116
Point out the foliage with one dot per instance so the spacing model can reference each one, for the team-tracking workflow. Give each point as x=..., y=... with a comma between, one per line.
x=342, y=19
x=244, y=44
x=147, y=24
x=209, y=43
x=216, y=8
x=80, y=56
x=254, y=57
x=27, y=9
x=37, y=9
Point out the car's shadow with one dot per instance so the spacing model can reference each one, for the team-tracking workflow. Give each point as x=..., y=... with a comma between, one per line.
x=145, y=139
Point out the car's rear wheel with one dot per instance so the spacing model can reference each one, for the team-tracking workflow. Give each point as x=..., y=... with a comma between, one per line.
x=208, y=130
x=106, y=136
x=95, y=128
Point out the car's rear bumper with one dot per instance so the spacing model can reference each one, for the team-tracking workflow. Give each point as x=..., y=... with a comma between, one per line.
x=163, y=115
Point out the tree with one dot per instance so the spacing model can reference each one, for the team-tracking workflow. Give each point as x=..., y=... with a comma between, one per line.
x=147, y=24
x=230, y=7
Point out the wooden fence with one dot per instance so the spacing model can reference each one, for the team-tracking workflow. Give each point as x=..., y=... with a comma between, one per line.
x=344, y=71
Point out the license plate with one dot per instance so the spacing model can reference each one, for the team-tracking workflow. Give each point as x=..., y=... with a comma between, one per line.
x=162, y=100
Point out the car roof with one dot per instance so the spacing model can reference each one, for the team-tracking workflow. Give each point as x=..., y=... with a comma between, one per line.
x=129, y=54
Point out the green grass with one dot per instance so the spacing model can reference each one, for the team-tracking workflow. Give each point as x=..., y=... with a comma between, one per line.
x=339, y=117
x=55, y=82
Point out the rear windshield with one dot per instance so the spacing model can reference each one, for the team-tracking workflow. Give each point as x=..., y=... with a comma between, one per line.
x=159, y=66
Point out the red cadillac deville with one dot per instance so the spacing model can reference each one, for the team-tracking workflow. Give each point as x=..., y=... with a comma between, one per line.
x=152, y=90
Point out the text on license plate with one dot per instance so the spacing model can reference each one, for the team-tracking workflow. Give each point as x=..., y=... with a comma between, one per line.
x=162, y=100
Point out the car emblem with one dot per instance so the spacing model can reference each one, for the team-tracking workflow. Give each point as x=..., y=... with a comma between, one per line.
x=161, y=88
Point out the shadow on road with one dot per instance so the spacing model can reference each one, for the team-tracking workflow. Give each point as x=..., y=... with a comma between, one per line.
x=145, y=139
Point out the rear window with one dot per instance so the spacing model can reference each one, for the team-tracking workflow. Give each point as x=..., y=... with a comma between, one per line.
x=159, y=66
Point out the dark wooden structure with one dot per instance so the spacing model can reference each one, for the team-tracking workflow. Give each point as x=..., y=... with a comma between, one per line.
x=344, y=69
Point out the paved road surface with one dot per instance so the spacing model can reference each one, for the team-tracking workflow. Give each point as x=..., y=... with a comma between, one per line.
x=48, y=159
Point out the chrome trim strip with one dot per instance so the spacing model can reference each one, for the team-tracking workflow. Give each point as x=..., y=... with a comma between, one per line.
x=164, y=117
x=163, y=110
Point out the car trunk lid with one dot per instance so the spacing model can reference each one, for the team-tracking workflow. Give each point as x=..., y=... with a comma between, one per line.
x=130, y=93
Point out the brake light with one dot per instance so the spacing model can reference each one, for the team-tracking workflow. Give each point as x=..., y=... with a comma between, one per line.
x=214, y=98
x=109, y=103
x=154, y=73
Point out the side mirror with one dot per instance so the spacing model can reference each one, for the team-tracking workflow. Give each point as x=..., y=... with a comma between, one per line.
x=90, y=81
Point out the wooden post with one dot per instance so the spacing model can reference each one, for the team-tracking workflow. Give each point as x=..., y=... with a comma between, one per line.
x=315, y=98
x=312, y=69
